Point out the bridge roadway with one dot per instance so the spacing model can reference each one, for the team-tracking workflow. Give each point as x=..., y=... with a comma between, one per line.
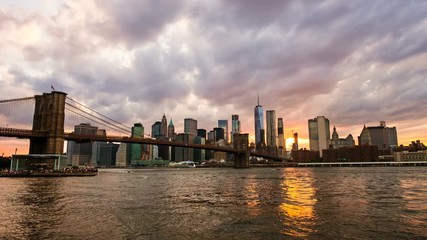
x=23, y=133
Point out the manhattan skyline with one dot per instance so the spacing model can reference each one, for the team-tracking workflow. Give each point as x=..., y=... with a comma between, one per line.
x=355, y=63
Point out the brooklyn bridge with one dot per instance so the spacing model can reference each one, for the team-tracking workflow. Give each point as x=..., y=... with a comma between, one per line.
x=47, y=121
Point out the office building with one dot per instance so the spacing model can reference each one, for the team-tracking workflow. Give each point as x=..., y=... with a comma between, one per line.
x=199, y=154
x=156, y=130
x=171, y=131
x=235, y=125
x=259, y=125
x=319, y=134
x=211, y=136
x=184, y=154
x=201, y=133
x=190, y=127
x=122, y=155
x=135, y=149
x=271, y=128
x=281, y=144
x=295, y=144
x=219, y=133
x=81, y=153
x=108, y=154
x=164, y=127
x=382, y=136
x=224, y=125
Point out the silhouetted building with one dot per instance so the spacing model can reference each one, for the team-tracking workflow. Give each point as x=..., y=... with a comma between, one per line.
x=319, y=133
x=219, y=134
x=337, y=142
x=201, y=133
x=164, y=127
x=366, y=153
x=156, y=130
x=259, y=125
x=281, y=143
x=305, y=155
x=295, y=144
x=184, y=154
x=199, y=154
x=190, y=127
x=381, y=136
x=81, y=153
x=224, y=125
x=171, y=131
x=235, y=125
x=271, y=128
x=416, y=151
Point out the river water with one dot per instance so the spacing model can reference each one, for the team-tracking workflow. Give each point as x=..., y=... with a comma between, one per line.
x=256, y=203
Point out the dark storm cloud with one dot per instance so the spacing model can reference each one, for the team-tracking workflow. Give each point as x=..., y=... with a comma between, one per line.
x=352, y=61
x=134, y=22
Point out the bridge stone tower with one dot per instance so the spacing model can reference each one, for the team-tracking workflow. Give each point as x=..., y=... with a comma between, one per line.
x=49, y=115
x=241, y=142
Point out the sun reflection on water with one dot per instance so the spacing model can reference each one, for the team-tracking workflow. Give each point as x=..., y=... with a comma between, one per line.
x=299, y=199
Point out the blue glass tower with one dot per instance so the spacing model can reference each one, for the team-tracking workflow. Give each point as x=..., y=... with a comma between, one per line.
x=259, y=125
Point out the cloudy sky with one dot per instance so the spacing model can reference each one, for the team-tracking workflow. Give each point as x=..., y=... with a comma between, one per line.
x=355, y=62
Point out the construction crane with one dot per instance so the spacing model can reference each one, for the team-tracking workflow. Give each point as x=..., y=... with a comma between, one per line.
x=291, y=129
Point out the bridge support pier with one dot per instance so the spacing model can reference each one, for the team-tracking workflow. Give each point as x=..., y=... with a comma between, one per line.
x=241, y=142
x=241, y=160
x=49, y=115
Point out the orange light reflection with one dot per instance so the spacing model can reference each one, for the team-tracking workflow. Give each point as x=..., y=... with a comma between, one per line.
x=298, y=203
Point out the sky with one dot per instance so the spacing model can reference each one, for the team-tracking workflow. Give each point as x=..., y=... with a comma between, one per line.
x=354, y=62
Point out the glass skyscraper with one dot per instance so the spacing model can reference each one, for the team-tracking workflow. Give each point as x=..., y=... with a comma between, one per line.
x=259, y=125
x=224, y=125
x=136, y=148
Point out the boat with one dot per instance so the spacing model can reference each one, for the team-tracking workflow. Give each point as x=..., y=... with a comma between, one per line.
x=66, y=173
x=183, y=164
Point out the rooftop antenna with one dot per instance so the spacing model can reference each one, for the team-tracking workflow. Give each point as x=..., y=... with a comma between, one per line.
x=258, y=98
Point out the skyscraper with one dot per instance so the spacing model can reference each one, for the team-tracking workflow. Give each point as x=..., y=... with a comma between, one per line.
x=171, y=130
x=136, y=148
x=164, y=127
x=382, y=136
x=81, y=153
x=190, y=127
x=295, y=146
x=259, y=125
x=219, y=134
x=201, y=133
x=156, y=130
x=235, y=125
x=224, y=125
x=281, y=137
x=319, y=133
x=271, y=128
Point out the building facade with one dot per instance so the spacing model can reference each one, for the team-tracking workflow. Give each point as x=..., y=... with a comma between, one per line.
x=281, y=143
x=171, y=131
x=235, y=125
x=81, y=153
x=271, y=128
x=382, y=136
x=337, y=142
x=224, y=125
x=136, y=149
x=259, y=125
x=319, y=133
x=190, y=127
